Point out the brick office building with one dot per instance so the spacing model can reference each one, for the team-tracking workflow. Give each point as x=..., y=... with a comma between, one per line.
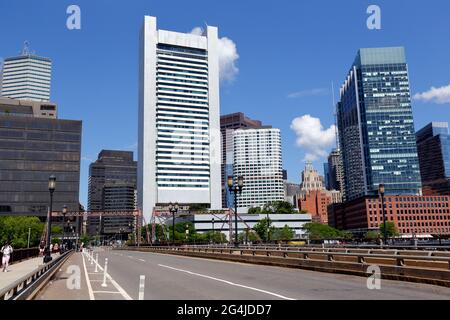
x=413, y=215
x=316, y=203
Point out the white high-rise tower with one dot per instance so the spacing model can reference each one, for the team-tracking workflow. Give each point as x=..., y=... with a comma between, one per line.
x=26, y=77
x=179, y=124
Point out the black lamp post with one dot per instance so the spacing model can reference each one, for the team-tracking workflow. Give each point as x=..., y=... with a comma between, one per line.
x=64, y=212
x=213, y=231
x=173, y=208
x=236, y=189
x=381, y=192
x=51, y=189
x=271, y=209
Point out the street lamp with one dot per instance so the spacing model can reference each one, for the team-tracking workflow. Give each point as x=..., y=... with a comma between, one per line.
x=271, y=210
x=64, y=212
x=213, y=231
x=173, y=208
x=236, y=189
x=51, y=189
x=381, y=192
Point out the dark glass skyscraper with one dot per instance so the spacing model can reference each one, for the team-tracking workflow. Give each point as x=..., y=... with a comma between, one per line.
x=376, y=129
x=112, y=185
x=34, y=144
x=433, y=145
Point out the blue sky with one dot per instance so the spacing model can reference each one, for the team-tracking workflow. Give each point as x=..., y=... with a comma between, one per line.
x=289, y=53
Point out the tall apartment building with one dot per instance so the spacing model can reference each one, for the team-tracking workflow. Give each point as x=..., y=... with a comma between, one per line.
x=333, y=171
x=376, y=129
x=433, y=146
x=179, y=126
x=112, y=185
x=257, y=157
x=34, y=144
x=26, y=77
x=229, y=123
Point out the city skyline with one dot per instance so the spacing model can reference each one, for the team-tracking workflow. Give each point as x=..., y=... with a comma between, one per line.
x=302, y=91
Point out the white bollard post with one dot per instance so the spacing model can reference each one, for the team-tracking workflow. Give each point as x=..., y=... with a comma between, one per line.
x=104, y=285
x=141, y=287
x=92, y=257
x=96, y=262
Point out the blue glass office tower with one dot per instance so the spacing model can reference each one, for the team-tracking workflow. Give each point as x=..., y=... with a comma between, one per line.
x=376, y=128
x=433, y=146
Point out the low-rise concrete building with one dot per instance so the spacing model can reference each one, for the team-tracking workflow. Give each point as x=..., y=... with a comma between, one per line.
x=221, y=222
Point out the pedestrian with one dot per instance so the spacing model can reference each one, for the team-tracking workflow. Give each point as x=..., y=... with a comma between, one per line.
x=41, y=248
x=6, y=251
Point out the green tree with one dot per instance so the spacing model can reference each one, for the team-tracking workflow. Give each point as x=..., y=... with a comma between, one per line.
x=254, y=210
x=249, y=235
x=372, y=235
x=284, y=234
x=198, y=208
x=281, y=207
x=160, y=232
x=262, y=227
x=56, y=230
x=85, y=239
x=391, y=229
x=16, y=229
x=215, y=237
x=318, y=231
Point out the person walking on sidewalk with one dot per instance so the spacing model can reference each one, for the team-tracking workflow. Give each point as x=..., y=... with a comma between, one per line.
x=6, y=250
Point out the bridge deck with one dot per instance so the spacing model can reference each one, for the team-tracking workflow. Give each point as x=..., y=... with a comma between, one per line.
x=179, y=278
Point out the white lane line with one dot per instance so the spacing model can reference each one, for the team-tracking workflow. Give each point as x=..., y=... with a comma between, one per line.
x=91, y=293
x=124, y=294
x=141, y=260
x=227, y=282
x=130, y=257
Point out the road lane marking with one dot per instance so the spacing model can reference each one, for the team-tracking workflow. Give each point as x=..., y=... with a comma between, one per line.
x=141, y=260
x=91, y=293
x=115, y=284
x=227, y=282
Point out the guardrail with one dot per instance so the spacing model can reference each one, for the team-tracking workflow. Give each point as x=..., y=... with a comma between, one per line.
x=24, y=254
x=26, y=287
x=284, y=246
x=414, y=266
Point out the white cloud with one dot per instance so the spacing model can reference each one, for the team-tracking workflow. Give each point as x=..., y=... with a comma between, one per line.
x=312, y=136
x=197, y=31
x=308, y=93
x=435, y=95
x=228, y=57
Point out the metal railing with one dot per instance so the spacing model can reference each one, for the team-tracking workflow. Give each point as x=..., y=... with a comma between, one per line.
x=24, y=254
x=26, y=287
x=396, y=258
x=328, y=246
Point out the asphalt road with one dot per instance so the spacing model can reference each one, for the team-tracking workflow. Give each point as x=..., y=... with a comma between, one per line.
x=182, y=278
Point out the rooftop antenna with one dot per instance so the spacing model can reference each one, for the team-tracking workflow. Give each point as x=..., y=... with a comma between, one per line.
x=335, y=116
x=26, y=48
x=206, y=29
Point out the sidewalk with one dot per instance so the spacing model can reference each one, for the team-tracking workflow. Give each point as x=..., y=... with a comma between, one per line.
x=19, y=270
